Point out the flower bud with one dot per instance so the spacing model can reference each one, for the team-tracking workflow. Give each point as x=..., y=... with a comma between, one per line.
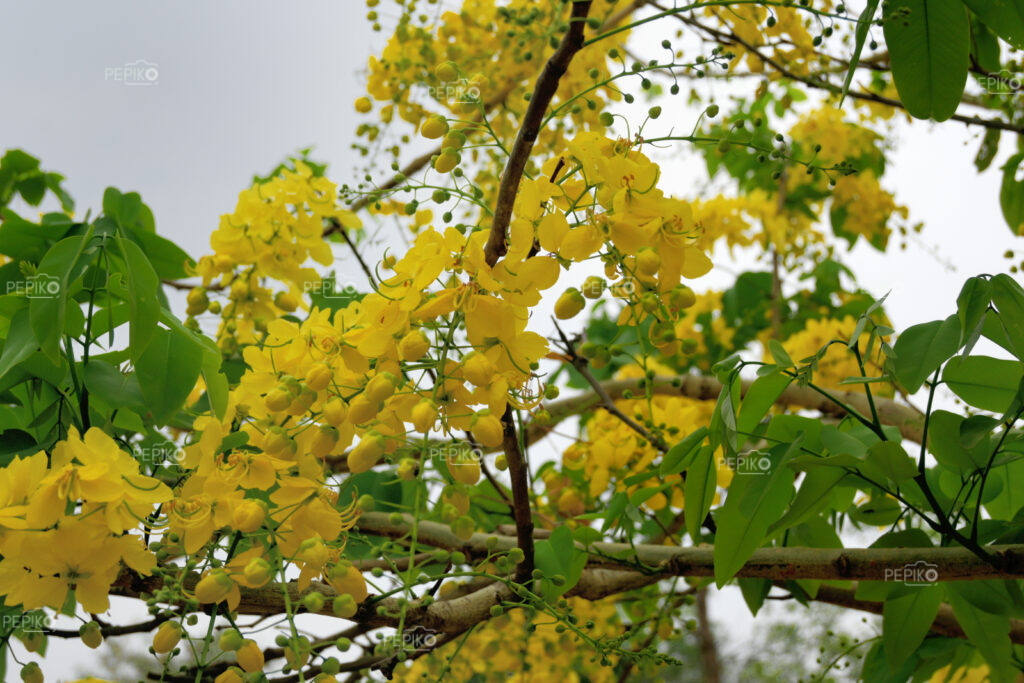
x=381, y=387
x=478, y=369
x=231, y=640
x=413, y=345
x=286, y=301
x=324, y=441
x=434, y=127
x=91, y=635
x=424, y=414
x=335, y=412
x=488, y=430
x=319, y=377
x=166, y=637
x=367, y=453
x=248, y=516
x=214, y=587
x=250, y=656
x=569, y=304
x=347, y=580
x=257, y=572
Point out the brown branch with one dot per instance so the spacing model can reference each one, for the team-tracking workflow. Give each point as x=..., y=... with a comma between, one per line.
x=544, y=90
x=519, y=473
x=706, y=639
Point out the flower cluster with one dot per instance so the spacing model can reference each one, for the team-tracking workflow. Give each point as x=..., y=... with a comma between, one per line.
x=277, y=226
x=66, y=526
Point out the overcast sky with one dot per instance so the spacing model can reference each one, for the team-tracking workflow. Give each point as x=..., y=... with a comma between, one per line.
x=238, y=86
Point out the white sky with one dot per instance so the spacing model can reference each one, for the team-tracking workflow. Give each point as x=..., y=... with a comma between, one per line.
x=241, y=85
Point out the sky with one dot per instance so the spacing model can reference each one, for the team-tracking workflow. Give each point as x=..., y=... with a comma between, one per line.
x=227, y=90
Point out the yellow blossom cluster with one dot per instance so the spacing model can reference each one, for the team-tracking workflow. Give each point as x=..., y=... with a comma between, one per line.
x=67, y=525
x=865, y=205
x=612, y=451
x=484, y=54
x=839, y=362
x=779, y=33
x=505, y=650
x=277, y=226
x=839, y=139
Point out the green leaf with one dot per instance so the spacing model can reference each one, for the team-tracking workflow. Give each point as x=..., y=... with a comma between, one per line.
x=984, y=382
x=114, y=387
x=989, y=146
x=929, y=49
x=989, y=596
x=20, y=343
x=216, y=383
x=758, y=400
x=699, y=491
x=880, y=511
x=945, y=443
x=167, y=372
x=863, y=26
x=1011, y=195
x=143, y=304
x=128, y=210
x=167, y=258
x=921, y=349
x=814, y=494
x=1004, y=17
x=1008, y=298
x=679, y=456
x=558, y=554
x=753, y=503
x=906, y=620
x=615, y=509
x=975, y=428
x=779, y=354
x=49, y=292
x=971, y=305
x=890, y=458
x=754, y=592
x=989, y=633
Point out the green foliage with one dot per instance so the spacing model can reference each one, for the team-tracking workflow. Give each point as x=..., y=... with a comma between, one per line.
x=929, y=46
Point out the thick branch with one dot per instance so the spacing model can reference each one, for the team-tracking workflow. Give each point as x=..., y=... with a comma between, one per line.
x=906, y=419
x=545, y=89
x=828, y=564
x=519, y=472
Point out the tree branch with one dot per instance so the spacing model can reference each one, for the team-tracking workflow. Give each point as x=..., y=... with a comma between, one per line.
x=545, y=89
